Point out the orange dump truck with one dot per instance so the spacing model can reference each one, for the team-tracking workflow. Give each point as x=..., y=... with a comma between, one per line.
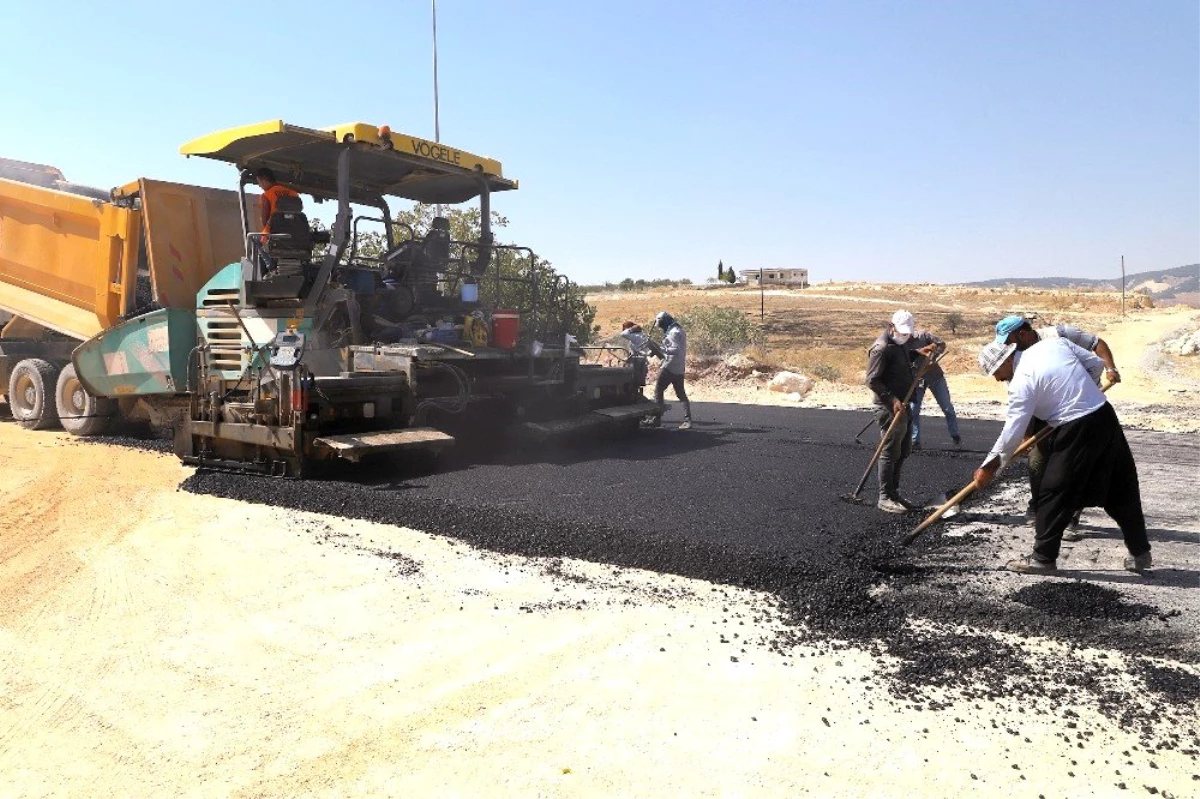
x=75, y=261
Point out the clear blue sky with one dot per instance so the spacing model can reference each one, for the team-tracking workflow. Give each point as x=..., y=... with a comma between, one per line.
x=941, y=141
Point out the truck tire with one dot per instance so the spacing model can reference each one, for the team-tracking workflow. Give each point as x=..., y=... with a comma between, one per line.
x=79, y=412
x=31, y=394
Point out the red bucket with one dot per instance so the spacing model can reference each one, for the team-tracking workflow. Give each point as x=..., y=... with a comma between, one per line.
x=505, y=326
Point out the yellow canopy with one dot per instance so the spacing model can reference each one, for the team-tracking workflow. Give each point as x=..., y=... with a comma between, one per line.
x=384, y=164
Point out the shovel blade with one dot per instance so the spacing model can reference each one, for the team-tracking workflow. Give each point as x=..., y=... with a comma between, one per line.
x=940, y=500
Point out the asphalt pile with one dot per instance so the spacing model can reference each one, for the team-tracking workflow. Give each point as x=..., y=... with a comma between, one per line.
x=749, y=498
x=1082, y=601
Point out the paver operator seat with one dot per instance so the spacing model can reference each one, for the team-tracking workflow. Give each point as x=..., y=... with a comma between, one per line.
x=290, y=241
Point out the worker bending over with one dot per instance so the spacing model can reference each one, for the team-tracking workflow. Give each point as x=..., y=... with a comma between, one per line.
x=1017, y=330
x=1088, y=461
x=889, y=375
x=639, y=342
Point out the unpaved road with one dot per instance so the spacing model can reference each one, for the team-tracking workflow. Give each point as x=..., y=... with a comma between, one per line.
x=159, y=642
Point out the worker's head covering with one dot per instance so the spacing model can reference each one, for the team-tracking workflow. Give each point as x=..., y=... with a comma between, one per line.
x=664, y=320
x=993, y=355
x=1009, y=325
x=904, y=323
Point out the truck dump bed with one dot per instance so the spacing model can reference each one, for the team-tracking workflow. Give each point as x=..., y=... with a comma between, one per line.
x=69, y=262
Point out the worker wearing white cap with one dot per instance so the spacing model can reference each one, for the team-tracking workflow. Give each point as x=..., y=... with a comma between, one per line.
x=889, y=375
x=1088, y=460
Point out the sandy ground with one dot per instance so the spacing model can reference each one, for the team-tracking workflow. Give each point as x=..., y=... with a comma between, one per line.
x=154, y=642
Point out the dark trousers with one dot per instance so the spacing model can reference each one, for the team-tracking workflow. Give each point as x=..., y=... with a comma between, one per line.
x=896, y=447
x=1037, y=461
x=675, y=381
x=1089, y=464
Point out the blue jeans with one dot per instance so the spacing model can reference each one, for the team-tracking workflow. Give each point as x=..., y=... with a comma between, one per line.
x=941, y=393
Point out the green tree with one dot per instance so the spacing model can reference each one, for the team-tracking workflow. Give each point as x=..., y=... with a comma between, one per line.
x=730, y=277
x=715, y=331
x=953, y=320
x=513, y=275
x=720, y=270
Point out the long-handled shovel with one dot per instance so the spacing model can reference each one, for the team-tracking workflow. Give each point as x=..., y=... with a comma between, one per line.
x=895, y=418
x=1025, y=446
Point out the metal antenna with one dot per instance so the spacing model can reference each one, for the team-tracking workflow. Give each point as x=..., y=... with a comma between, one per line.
x=437, y=126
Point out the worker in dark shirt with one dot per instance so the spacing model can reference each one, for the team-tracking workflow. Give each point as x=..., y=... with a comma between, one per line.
x=889, y=375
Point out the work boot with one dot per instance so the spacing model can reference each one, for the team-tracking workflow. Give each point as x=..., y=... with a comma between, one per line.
x=916, y=445
x=686, y=424
x=957, y=441
x=1029, y=564
x=1139, y=563
x=889, y=505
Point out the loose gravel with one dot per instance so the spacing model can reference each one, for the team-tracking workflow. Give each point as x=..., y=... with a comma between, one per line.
x=748, y=498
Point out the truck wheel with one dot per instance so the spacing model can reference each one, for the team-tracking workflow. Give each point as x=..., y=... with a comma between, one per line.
x=80, y=412
x=30, y=394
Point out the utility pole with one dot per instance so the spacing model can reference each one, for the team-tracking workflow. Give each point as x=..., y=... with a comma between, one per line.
x=762, y=298
x=1122, y=285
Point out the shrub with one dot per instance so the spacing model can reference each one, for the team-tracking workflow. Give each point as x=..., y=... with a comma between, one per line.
x=719, y=331
x=824, y=371
x=953, y=320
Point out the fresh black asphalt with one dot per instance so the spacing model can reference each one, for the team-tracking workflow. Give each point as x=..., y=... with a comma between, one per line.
x=751, y=497
x=745, y=483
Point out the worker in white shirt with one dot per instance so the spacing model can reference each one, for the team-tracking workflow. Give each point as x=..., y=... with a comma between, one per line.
x=639, y=342
x=1088, y=460
x=1016, y=329
x=641, y=347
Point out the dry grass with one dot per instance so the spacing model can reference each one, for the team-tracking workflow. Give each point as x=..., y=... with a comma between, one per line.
x=825, y=330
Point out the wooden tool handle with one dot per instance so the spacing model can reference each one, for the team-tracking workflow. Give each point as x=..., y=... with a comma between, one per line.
x=895, y=418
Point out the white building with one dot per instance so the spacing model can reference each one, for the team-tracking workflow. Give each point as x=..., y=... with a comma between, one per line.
x=795, y=278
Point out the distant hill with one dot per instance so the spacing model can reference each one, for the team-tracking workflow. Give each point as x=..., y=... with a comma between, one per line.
x=1180, y=285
